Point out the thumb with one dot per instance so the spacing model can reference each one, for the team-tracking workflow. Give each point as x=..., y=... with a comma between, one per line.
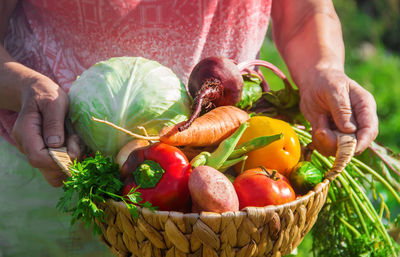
x=53, y=123
x=341, y=112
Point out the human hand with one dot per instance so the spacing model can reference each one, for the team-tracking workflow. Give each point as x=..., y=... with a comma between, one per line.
x=330, y=99
x=40, y=124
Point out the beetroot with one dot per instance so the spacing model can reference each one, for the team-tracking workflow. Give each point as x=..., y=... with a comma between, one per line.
x=217, y=81
x=214, y=81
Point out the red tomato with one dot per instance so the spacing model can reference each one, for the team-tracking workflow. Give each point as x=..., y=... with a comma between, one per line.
x=261, y=187
x=172, y=191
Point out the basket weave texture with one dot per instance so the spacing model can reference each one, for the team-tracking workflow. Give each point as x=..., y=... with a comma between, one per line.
x=253, y=231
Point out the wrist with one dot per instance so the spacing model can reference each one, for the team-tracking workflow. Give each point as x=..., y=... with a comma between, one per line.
x=39, y=87
x=311, y=76
x=17, y=83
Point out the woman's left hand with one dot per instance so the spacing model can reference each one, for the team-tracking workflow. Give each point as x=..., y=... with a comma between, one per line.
x=329, y=100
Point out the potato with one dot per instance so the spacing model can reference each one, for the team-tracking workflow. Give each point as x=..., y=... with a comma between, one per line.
x=212, y=191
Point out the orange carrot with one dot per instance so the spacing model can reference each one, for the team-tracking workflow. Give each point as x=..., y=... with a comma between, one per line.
x=207, y=130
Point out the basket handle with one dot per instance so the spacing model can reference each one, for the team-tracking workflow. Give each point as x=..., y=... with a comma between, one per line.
x=61, y=157
x=346, y=145
x=345, y=151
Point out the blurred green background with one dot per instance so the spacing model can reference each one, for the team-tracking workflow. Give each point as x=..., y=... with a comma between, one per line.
x=371, y=31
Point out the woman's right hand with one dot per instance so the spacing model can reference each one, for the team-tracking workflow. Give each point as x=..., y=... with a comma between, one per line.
x=40, y=124
x=42, y=107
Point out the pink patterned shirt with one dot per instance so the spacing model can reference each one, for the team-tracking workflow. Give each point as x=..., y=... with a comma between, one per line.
x=62, y=38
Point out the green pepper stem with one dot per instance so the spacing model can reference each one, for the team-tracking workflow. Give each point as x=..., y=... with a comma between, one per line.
x=148, y=174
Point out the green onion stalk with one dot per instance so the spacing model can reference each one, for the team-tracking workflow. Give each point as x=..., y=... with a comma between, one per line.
x=354, y=221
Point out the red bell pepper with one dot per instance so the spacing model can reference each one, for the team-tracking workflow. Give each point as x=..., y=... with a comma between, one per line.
x=162, y=172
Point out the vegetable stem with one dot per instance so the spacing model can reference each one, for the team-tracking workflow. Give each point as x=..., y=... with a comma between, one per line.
x=265, y=64
x=324, y=160
x=382, y=207
x=302, y=133
x=352, y=229
x=377, y=176
x=359, y=196
x=390, y=166
x=226, y=147
x=125, y=130
x=345, y=185
x=372, y=213
x=349, y=187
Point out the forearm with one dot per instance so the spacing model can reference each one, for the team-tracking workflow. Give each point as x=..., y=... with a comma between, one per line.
x=308, y=35
x=13, y=76
x=15, y=79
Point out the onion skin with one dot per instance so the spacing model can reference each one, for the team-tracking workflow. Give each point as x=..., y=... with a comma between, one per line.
x=131, y=146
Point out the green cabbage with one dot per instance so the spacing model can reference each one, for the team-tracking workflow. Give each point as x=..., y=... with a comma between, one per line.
x=129, y=92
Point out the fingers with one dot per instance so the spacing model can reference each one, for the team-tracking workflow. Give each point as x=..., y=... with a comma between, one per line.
x=54, y=111
x=364, y=108
x=27, y=133
x=352, y=108
x=341, y=109
x=40, y=124
x=54, y=177
x=74, y=146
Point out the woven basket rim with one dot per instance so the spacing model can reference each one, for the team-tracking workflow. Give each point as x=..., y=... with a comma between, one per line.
x=269, y=208
x=345, y=151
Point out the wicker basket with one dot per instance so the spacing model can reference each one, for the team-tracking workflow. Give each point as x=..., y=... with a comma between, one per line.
x=254, y=231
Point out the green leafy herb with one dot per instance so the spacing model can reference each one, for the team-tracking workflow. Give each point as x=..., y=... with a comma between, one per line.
x=94, y=180
x=251, y=91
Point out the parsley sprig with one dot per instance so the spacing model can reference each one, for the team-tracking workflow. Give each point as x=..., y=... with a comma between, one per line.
x=94, y=180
